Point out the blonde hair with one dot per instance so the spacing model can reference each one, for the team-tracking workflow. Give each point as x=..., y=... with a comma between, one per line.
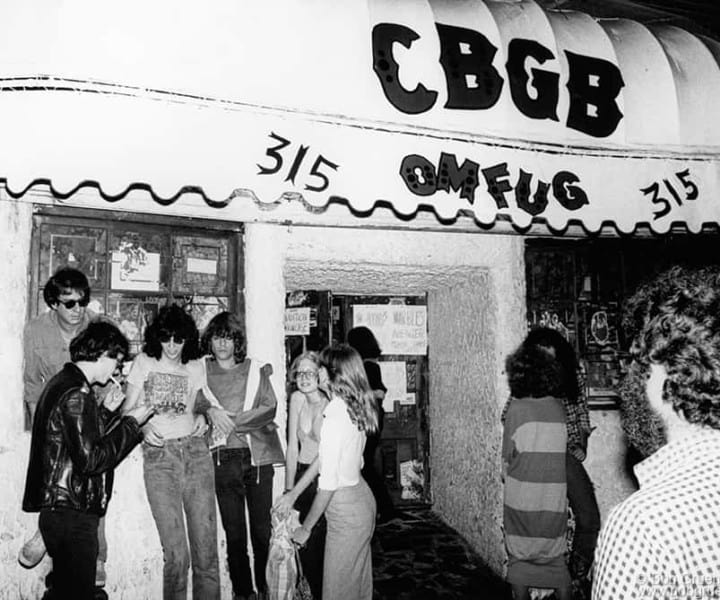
x=310, y=355
x=348, y=380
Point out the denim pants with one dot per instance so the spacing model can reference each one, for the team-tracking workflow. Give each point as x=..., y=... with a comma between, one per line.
x=350, y=516
x=179, y=482
x=238, y=483
x=71, y=539
x=312, y=554
x=581, y=497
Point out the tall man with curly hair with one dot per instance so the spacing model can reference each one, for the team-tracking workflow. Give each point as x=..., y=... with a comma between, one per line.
x=664, y=540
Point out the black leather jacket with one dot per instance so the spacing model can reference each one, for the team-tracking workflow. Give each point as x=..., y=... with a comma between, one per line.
x=75, y=446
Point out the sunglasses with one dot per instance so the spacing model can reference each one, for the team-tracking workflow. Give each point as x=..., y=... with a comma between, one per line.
x=70, y=304
x=166, y=337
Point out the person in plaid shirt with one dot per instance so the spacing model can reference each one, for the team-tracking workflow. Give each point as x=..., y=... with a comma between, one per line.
x=664, y=540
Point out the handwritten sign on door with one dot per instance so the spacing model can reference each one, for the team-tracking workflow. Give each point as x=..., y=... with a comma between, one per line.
x=399, y=328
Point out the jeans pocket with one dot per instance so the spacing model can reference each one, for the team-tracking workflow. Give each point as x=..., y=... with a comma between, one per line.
x=153, y=453
x=198, y=448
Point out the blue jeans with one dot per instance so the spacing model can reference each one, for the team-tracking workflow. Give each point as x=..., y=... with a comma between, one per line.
x=71, y=539
x=237, y=483
x=350, y=516
x=581, y=497
x=179, y=481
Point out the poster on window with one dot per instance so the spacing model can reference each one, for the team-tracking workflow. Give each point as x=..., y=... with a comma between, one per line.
x=398, y=328
x=133, y=268
x=297, y=320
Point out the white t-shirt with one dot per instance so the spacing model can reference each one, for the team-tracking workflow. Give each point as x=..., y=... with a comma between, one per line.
x=171, y=389
x=341, y=448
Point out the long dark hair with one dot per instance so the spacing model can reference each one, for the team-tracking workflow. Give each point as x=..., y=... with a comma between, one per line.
x=363, y=340
x=172, y=321
x=227, y=325
x=533, y=372
x=348, y=380
x=565, y=355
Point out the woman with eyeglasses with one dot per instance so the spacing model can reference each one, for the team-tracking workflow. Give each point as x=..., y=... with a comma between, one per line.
x=343, y=496
x=305, y=416
x=177, y=466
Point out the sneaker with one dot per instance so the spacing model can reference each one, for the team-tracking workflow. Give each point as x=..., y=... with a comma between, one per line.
x=100, y=576
x=32, y=551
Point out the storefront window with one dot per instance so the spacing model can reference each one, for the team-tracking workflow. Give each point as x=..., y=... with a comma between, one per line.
x=578, y=287
x=135, y=267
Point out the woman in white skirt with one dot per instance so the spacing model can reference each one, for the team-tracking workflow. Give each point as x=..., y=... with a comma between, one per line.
x=342, y=496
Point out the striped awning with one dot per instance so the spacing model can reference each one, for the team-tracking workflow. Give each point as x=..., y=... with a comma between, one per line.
x=479, y=107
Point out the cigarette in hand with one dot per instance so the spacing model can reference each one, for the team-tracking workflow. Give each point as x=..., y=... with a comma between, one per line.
x=115, y=381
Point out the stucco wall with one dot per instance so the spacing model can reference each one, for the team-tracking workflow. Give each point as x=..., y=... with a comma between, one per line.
x=464, y=439
x=606, y=460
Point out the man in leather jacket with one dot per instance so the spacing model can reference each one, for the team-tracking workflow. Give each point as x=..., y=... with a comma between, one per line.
x=74, y=449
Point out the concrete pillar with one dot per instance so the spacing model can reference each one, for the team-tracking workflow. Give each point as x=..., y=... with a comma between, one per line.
x=265, y=250
x=15, y=227
x=15, y=525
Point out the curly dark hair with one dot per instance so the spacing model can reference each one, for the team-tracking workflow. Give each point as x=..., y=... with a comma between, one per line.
x=66, y=280
x=674, y=321
x=172, y=321
x=565, y=354
x=98, y=338
x=533, y=372
x=225, y=325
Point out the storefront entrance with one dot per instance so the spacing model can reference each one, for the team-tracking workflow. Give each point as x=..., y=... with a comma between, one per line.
x=400, y=325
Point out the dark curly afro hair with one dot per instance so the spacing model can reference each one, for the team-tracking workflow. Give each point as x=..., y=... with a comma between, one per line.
x=533, y=372
x=674, y=321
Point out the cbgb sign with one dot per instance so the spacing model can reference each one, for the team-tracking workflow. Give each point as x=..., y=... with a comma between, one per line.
x=475, y=83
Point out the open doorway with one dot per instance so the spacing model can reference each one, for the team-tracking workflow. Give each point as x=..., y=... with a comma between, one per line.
x=400, y=325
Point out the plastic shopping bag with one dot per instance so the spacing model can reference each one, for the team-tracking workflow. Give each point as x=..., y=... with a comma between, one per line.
x=281, y=570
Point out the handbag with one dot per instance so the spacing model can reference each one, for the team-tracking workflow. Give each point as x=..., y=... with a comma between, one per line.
x=302, y=587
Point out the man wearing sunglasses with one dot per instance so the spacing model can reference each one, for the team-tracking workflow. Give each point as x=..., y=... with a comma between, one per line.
x=47, y=336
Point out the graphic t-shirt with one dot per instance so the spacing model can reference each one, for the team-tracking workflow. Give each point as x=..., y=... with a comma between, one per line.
x=171, y=389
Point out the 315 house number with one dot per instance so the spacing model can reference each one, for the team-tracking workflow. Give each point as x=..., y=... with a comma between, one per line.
x=684, y=189
x=317, y=178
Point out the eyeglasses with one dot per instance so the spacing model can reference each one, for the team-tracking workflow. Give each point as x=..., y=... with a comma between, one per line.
x=70, y=304
x=306, y=374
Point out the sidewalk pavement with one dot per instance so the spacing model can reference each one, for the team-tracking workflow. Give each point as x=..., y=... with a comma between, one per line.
x=418, y=557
